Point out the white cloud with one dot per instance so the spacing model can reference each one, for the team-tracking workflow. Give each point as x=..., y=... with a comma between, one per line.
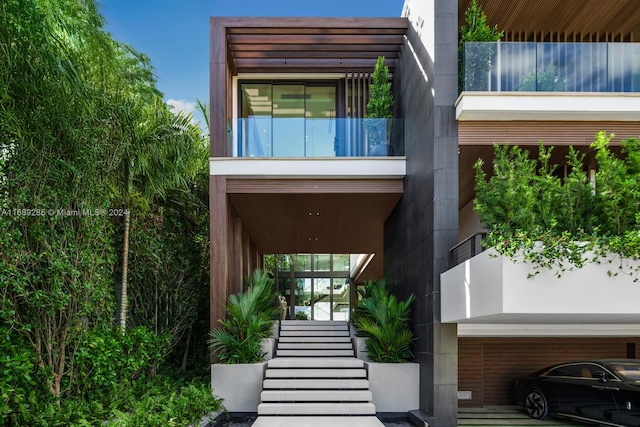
x=188, y=107
x=182, y=105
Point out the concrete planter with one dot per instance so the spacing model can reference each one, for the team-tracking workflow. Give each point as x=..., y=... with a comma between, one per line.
x=239, y=385
x=360, y=344
x=395, y=386
x=494, y=289
x=269, y=346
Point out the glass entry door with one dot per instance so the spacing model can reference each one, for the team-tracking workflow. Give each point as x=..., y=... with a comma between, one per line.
x=316, y=286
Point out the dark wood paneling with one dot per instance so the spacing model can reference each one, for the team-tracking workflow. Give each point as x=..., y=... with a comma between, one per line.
x=288, y=186
x=315, y=223
x=505, y=359
x=470, y=371
x=219, y=229
x=345, y=44
x=552, y=133
x=538, y=20
x=218, y=90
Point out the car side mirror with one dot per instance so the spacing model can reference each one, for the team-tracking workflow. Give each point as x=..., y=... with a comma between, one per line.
x=601, y=376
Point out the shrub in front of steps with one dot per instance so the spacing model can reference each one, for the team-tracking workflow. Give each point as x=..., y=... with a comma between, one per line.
x=384, y=321
x=250, y=317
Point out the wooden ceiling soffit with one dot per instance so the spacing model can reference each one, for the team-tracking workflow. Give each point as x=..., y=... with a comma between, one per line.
x=273, y=186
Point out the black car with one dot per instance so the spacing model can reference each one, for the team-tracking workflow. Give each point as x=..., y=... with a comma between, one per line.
x=606, y=392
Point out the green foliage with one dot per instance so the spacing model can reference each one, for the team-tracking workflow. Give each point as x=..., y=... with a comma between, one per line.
x=20, y=377
x=250, y=317
x=106, y=361
x=168, y=405
x=379, y=106
x=473, y=67
x=534, y=216
x=81, y=121
x=546, y=80
x=301, y=315
x=380, y=95
x=384, y=320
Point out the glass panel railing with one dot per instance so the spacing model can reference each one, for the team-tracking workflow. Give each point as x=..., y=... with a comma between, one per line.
x=552, y=67
x=263, y=136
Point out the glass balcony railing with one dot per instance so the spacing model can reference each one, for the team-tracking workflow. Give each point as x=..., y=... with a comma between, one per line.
x=552, y=67
x=264, y=136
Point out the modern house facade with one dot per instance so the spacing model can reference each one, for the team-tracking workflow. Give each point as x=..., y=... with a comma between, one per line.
x=293, y=171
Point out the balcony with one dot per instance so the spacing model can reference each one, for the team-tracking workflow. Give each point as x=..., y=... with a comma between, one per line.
x=551, y=67
x=524, y=82
x=493, y=289
x=264, y=136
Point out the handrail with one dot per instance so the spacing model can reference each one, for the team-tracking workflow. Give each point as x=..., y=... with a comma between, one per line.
x=466, y=249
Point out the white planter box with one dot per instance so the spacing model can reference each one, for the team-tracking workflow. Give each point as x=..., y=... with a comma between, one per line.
x=395, y=386
x=360, y=344
x=239, y=385
x=489, y=289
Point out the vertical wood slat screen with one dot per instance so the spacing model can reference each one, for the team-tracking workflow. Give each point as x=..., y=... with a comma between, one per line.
x=566, y=37
x=356, y=99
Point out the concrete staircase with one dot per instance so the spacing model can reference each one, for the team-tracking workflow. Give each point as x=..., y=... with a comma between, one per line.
x=315, y=379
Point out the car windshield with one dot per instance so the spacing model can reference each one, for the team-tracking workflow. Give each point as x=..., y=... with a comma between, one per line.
x=628, y=370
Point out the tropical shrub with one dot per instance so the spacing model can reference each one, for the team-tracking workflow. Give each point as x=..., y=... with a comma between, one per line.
x=250, y=318
x=107, y=361
x=384, y=320
x=560, y=224
x=166, y=404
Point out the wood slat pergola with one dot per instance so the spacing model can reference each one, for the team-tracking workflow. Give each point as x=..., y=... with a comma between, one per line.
x=303, y=45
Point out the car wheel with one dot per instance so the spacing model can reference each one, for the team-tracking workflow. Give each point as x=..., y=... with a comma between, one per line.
x=536, y=404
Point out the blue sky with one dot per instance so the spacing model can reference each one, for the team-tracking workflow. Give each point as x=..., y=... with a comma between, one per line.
x=175, y=33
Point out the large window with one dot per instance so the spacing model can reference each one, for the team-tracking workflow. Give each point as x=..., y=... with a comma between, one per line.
x=287, y=119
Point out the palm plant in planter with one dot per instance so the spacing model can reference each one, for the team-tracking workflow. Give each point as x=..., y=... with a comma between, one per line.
x=379, y=110
x=250, y=318
x=384, y=320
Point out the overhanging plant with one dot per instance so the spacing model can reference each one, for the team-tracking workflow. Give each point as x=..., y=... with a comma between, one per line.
x=379, y=106
x=534, y=216
x=250, y=318
x=384, y=320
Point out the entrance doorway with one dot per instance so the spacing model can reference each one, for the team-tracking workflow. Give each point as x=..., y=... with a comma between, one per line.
x=316, y=286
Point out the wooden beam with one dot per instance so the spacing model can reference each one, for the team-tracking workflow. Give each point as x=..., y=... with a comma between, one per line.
x=316, y=48
x=310, y=186
x=218, y=90
x=270, y=54
x=218, y=211
x=313, y=39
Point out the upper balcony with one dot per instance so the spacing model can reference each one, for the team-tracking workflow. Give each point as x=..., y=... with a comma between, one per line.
x=550, y=81
x=264, y=136
x=308, y=148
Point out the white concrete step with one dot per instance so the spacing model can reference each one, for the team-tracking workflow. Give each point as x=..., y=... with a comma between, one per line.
x=316, y=396
x=314, y=323
x=316, y=373
x=314, y=328
x=314, y=346
x=356, y=408
x=363, y=421
x=316, y=384
x=315, y=353
x=313, y=333
x=312, y=362
x=289, y=339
